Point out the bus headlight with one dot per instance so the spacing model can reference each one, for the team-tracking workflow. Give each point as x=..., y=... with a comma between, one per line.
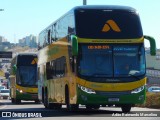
x=87, y=90
x=137, y=90
x=21, y=91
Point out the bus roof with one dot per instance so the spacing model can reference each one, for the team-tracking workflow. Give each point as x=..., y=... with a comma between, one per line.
x=106, y=7
x=96, y=7
x=27, y=54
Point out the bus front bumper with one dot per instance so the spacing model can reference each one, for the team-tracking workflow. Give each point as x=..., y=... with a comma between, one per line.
x=105, y=98
x=26, y=96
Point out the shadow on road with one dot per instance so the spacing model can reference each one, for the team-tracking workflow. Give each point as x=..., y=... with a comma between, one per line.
x=63, y=112
x=81, y=112
x=8, y=102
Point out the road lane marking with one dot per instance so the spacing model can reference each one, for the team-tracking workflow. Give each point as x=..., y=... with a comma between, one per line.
x=3, y=105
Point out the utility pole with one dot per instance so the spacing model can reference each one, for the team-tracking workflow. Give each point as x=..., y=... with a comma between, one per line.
x=84, y=2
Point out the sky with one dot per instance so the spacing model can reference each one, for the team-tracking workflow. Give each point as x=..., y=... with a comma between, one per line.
x=21, y=18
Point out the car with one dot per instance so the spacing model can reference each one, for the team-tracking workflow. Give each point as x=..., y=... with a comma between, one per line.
x=154, y=89
x=2, y=87
x=4, y=93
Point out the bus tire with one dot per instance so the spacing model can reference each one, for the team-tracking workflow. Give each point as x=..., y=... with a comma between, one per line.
x=45, y=99
x=90, y=107
x=126, y=108
x=37, y=101
x=70, y=107
x=96, y=107
x=17, y=101
x=56, y=106
x=12, y=100
x=46, y=102
x=67, y=99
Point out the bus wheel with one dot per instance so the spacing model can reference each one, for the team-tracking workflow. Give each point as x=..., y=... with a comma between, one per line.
x=96, y=107
x=90, y=107
x=126, y=108
x=69, y=106
x=74, y=107
x=46, y=100
x=56, y=106
x=37, y=101
x=12, y=100
x=67, y=99
x=17, y=101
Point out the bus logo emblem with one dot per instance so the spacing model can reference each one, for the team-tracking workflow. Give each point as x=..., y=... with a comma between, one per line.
x=34, y=61
x=110, y=24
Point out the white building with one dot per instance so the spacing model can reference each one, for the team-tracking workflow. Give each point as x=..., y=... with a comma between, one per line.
x=30, y=41
x=153, y=68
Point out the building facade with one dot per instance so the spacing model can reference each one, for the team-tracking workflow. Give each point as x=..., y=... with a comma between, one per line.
x=30, y=41
x=153, y=68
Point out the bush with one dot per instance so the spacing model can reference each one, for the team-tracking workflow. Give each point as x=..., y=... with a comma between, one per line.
x=152, y=101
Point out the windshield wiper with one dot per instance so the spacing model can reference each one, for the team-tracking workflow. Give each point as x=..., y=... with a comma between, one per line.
x=134, y=76
x=126, y=75
x=101, y=75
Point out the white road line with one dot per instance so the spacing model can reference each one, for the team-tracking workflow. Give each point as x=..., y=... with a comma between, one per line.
x=3, y=105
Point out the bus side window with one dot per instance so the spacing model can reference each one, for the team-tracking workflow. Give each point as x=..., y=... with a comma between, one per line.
x=54, y=69
x=73, y=64
x=48, y=70
x=49, y=37
x=63, y=66
x=56, y=31
x=57, y=68
x=53, y=33
x=45, y=40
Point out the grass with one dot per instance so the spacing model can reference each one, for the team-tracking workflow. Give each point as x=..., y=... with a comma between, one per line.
x=152, y=101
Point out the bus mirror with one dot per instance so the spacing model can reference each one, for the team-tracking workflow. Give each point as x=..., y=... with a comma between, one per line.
x=74, y=45
x=152, y=44
x=14, y=69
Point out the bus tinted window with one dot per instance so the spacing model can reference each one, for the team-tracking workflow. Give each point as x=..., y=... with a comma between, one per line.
x=102, y=60
x=26, y=60
x=26, y=76
x=90, y=24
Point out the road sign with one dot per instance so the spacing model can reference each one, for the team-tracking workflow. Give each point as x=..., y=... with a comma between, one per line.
x=4, y=54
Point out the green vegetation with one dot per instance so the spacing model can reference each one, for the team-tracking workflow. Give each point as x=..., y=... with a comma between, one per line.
x=152, y=101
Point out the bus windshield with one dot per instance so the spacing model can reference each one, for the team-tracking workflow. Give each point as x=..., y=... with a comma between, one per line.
x=89, y=24
x=25, y=60
x=111, y=61
x=26, y=76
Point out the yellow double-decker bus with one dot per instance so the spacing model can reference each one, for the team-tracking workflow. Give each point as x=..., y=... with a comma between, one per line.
x=23, y=78
x=93, y=56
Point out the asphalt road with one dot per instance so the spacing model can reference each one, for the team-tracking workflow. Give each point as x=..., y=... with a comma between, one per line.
x=37, y=111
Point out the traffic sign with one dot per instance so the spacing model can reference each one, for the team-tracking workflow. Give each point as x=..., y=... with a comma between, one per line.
x=4, y=54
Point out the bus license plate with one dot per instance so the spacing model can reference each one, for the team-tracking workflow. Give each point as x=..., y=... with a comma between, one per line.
x=113, y=99
x=34, y=96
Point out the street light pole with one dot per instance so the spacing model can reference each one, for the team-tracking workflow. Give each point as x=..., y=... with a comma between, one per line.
x=84, y=2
